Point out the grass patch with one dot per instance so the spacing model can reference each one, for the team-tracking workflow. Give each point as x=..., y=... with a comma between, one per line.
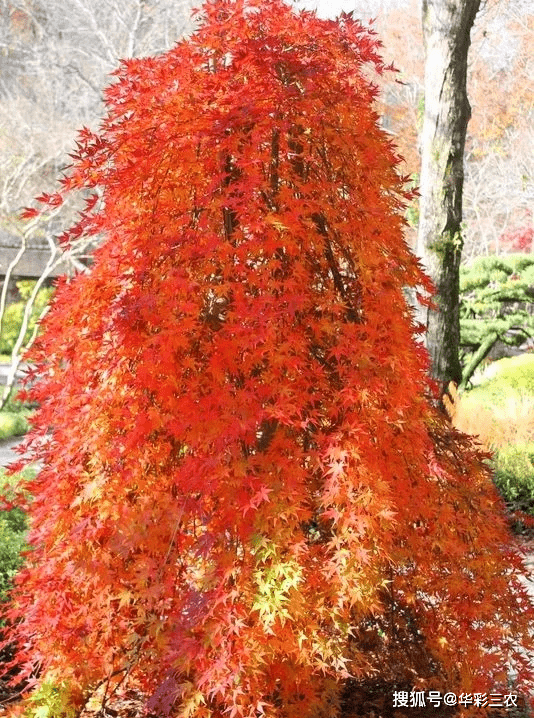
x=514, y=475
x=500, y=413
x=504, y=380
x=13, y=527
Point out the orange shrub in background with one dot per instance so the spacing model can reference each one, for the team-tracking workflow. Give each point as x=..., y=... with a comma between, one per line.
x=511, y=422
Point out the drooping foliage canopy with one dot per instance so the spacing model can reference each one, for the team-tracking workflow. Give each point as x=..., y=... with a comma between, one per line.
x=246, y=495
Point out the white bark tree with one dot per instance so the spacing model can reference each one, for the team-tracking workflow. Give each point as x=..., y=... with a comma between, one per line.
x=56, y=57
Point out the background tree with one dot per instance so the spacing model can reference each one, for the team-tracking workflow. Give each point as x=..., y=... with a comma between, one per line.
x=56, y=58
x=499, y=183
x=240, y=463
x=446, y=32
x=53, y=71
x=496, y=312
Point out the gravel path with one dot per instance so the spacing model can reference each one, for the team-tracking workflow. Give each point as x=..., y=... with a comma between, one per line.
x=7, y=450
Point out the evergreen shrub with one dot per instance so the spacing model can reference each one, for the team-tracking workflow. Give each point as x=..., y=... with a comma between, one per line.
x=12, y=423
x=514, y=475
x=13, y=526
x=496, y=295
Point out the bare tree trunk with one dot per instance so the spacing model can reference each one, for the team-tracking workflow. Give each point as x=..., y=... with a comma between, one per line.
x=446, y=30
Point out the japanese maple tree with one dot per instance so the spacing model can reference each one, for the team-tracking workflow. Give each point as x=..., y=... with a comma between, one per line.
x=246, y=497
x=518, y=240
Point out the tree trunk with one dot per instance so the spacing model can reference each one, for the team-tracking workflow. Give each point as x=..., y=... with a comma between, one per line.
x=446, y=29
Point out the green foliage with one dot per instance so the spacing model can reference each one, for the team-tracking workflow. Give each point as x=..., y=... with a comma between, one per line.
x=500, y=411
x=496, y=295
x=14, y=314
x=527, y=274
x=51, y=700
x=11, y=545
x=13, y=527
x=12, y=423
x=520, y=262
x=514, y=475
x=509, y=377
x=516, y=372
